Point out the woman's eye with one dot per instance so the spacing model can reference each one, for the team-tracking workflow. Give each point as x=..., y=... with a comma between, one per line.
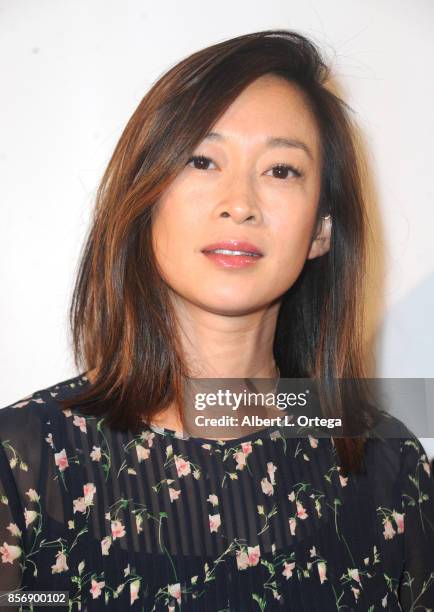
x=281, y=171
x=200, y=162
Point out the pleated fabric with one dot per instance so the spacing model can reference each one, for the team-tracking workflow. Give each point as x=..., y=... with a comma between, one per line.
x=155, y=521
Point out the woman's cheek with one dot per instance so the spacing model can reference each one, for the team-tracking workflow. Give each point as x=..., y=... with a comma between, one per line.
x=292, y=252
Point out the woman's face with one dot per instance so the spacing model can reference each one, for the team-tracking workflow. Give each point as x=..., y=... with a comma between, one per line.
x=255, y=180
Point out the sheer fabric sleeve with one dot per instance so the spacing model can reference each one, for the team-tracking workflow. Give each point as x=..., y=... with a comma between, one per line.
x=20, y=465
x=11, y=526
x=416, y=589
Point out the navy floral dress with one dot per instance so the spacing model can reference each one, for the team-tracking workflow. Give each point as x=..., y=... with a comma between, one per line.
x=157, y=521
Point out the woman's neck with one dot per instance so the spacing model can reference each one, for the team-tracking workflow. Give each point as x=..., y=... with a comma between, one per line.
x=215, y=345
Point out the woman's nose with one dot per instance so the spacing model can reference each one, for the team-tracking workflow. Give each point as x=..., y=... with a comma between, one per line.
x=240, y=201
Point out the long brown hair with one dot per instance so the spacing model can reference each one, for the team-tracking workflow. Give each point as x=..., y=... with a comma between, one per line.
x=122, y=321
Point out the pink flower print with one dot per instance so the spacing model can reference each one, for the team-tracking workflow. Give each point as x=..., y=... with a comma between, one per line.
x=426, y=467
x=60, y=565
x=313, y=441
x=214, y=522
x=67, y=412
x=182, y=466
x=79, y=505
x=213, y=499
x=142, y=452
x=267, y=487
x=322, y=570
x=288, y=569
x=96, y=588
x=254, y=554
x=61, y=460
x=399, y=520
x=95, y=454
x=174, y=494
x=32, y=495
x=80, y=422
x=246, y=447
x=20, y=404
x=291, y=496
x=354, y=574
x=242, y=560
x=118, y=530
x=105, y=545
x=89, y=491
x=388, y=531
x=292, y=525
x=240, y=458
x=148, y=436
x=343, y=480
x=174, y=590
x=29, y=516
x=271, y=468
x=9, y=553
x=14, y=529
x=356, y=592
x=301, y=511
x=248, y=558
x=134, y=591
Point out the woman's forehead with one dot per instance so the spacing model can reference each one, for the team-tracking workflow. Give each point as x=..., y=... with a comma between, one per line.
x=270, y=110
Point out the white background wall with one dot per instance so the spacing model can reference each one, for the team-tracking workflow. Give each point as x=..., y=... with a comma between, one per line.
x=74, y=71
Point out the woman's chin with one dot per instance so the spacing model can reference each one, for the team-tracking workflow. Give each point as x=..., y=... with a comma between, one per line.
x=237, y=306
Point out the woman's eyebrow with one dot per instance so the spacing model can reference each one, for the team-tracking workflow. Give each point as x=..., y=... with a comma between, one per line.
x=271, y=141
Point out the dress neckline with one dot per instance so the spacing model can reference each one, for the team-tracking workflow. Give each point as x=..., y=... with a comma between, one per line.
x=265, y=432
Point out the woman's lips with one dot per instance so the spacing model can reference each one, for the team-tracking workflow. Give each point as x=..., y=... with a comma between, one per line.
x=233, y=254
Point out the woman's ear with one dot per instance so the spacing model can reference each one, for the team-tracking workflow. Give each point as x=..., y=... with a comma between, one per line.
x=321, y=242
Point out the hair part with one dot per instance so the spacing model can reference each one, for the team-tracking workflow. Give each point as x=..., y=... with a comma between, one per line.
x=122, y=321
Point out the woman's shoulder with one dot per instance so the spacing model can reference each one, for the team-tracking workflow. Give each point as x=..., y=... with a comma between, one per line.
x=24, y=416
x=394, y=449
x=26, y=429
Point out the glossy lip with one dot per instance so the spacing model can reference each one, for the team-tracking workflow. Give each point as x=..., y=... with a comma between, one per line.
x=234, y=245
x=233, y=261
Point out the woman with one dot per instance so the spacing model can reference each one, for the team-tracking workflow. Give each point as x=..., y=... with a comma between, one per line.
x=228, y=243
